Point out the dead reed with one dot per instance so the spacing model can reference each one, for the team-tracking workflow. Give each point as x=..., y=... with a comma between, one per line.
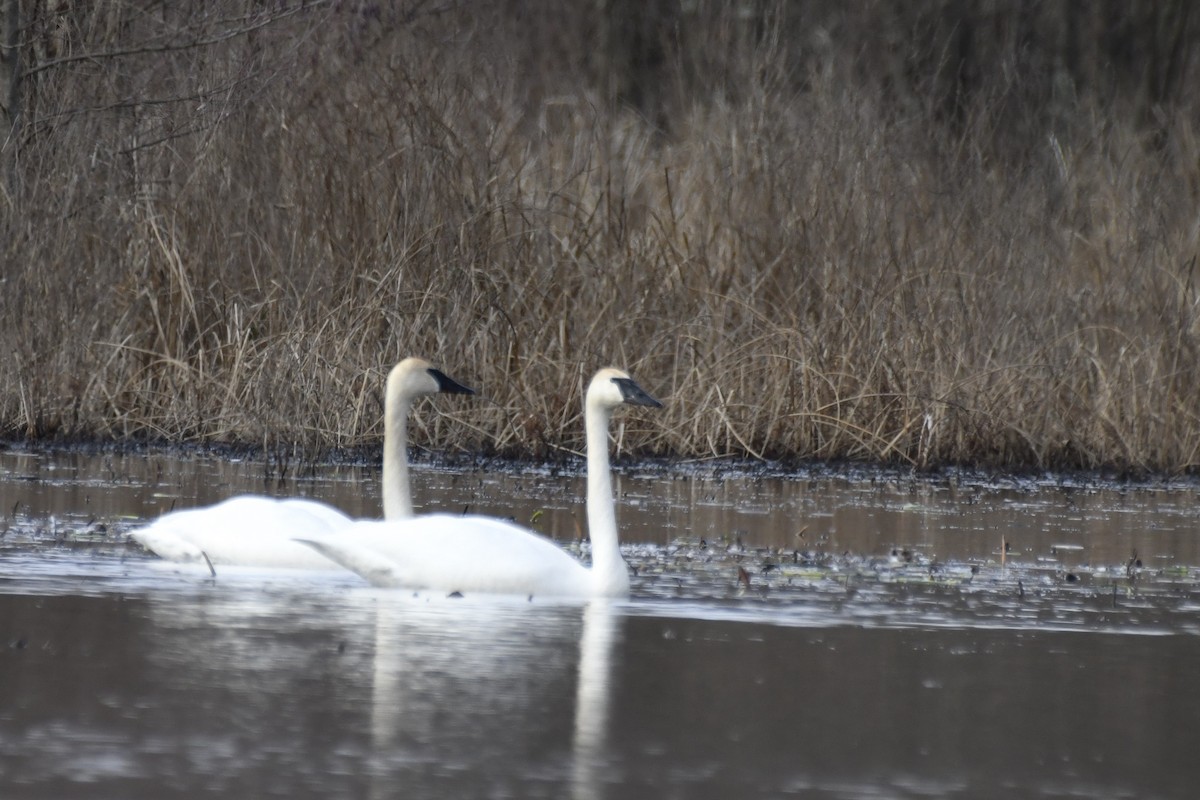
x=807, y=228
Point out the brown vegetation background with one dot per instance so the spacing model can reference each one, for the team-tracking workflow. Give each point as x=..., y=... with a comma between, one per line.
x=920, y=233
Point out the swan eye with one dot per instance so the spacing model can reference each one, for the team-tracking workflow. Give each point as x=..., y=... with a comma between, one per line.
x=635, y=395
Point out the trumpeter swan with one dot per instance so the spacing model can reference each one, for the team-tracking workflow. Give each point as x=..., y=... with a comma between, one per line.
x=257, y=531
x=441, y=552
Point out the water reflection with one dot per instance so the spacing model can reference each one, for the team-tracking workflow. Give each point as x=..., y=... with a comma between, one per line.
x=466, y=688
x=836, y=670
x=454, y=692
x=592, y=699
x=150, y=683
x=252, y=675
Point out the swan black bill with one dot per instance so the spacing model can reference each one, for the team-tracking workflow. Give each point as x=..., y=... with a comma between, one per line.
x=635, y=395
x=447, y=384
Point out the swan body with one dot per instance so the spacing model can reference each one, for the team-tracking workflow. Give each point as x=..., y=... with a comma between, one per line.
x=248, y=531
x=258, y=531
x=465, y=554
x=480, y=554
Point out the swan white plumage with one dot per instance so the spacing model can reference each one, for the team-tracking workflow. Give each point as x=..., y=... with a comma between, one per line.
x=257, y=531
x=447, y=553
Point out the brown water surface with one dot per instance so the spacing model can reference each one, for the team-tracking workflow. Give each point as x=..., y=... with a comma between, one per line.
x=878, y=644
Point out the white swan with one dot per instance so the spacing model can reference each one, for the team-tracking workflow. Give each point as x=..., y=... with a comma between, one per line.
x=479, y=554
x=257, y=531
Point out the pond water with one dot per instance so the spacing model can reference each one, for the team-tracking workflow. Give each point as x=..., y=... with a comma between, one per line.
x=822, y=637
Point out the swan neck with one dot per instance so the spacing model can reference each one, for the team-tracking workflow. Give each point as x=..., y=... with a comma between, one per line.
x=397, y=497
x=608, y=569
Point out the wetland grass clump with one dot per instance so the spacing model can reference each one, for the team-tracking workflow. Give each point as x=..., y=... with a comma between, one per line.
x=914, y=235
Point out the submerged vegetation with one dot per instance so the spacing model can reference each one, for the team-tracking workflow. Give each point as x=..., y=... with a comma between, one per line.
x=920, y=234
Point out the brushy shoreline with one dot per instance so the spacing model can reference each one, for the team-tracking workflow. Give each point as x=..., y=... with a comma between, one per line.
x=819, y=232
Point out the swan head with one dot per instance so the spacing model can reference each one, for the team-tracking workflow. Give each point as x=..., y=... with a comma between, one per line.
x=415, y=377
x=612, y=387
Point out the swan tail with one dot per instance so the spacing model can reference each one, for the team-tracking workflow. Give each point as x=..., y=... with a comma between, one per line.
x=376, y=569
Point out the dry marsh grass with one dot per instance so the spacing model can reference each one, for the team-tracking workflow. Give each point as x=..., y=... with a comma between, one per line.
x=817, y=231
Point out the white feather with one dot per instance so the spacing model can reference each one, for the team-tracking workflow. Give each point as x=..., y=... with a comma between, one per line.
x=480, y=554
x=258, y=531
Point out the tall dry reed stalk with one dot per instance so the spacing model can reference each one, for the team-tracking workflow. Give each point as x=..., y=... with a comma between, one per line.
x=817, y=231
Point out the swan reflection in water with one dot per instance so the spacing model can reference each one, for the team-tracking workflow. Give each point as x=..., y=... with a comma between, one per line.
x=371, y=691
x=591, y=698
x=489, y=683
